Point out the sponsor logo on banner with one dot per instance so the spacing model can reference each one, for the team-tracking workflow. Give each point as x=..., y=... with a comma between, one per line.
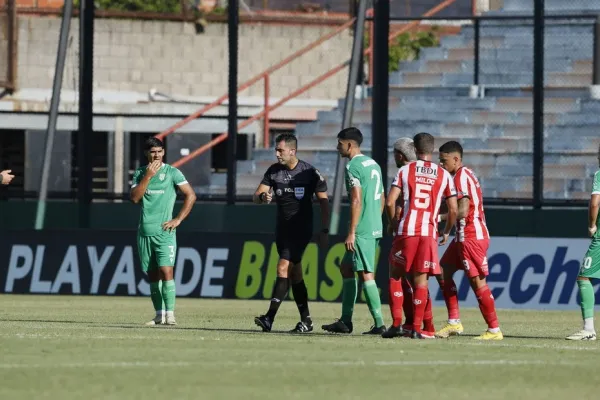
x=530, y=273
x=523, y=272
x=107, y=264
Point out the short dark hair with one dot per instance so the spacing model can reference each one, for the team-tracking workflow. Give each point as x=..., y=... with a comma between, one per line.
x=452, y=147
x=424, y=143
x=289, y=139
x=351, y=133
x=153, y=142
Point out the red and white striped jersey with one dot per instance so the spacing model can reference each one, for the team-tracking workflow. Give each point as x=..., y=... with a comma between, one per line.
x=473, y=226
x=423, y=186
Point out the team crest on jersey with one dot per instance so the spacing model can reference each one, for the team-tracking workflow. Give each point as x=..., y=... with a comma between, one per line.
x=162, y=177
x=299, y=192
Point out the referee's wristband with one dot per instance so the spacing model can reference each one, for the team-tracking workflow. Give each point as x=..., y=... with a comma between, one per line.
x=262, y=196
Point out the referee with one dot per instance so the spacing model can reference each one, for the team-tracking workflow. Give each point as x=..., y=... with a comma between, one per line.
x=293, y=183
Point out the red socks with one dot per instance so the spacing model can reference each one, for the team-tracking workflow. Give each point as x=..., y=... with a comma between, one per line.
x=396, y=300
x=407, y=305
x=451, y=298
x=487, y=306
x=420, y=302
x=428, y=315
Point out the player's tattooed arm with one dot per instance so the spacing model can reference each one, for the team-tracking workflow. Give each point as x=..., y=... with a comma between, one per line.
x=263, y=194
x=463, y=208
x=443, y=212
x=392, y=207
x=593, y=208
x=452, y=204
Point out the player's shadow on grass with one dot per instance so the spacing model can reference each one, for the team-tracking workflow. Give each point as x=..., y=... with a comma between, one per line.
x=249, y=331
x=48, y=321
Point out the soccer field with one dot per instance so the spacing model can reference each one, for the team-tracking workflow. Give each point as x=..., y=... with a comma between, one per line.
x=68, y=347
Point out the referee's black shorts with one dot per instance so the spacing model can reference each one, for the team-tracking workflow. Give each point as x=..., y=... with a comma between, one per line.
x=291, y=243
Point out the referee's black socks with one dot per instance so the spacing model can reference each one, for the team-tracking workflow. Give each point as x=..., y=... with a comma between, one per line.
x=301, y=297
x=280, y=290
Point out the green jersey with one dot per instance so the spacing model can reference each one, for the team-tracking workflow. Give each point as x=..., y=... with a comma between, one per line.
x=364, y=172
x=159, y=199
x=596, y=190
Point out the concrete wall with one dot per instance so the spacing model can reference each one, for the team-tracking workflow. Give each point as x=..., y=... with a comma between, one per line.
x=134, y=55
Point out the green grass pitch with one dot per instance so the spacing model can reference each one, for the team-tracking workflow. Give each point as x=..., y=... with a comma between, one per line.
x=67, y=347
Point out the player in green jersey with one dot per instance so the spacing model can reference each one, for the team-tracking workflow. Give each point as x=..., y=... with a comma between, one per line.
x=590, y=266
x=154, y=185
x=364, y=184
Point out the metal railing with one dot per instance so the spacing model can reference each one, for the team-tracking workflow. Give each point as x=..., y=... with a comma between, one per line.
x=265, y=76
x=541, y=197
x=268, y=108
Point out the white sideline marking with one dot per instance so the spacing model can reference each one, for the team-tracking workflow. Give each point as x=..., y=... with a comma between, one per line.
x=399, y=363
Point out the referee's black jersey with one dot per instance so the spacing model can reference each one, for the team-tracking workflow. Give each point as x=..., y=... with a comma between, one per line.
x=293, y=192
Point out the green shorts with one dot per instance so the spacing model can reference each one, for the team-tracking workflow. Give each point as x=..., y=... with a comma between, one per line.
x=363, y=256
x=590, y=267
x=157, y=251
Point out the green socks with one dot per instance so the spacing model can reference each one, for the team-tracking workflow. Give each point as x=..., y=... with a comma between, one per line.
x=373, y=301
x=168, y=294
x=349, y=293
x=587, y=298
x=156, y=296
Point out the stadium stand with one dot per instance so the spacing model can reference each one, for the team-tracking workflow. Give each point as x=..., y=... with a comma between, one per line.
x=432, y=94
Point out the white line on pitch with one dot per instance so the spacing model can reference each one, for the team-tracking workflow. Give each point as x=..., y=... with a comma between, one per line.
x=398, y=363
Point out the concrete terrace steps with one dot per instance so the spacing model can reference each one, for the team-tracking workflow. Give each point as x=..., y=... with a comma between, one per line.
x=552, y=5
x=480, y=167
x=499, y=102
x=493, y=66
x=432, y=94
x=506, y=91
x=497, y=78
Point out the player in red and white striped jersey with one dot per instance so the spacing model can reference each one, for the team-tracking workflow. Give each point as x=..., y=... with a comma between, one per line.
x=421, y=186
x=468, y=250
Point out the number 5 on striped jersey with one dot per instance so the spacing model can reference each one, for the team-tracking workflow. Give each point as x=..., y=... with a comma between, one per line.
x=422, y=196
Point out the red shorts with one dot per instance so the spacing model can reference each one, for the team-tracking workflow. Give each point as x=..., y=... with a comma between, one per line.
x=470, y=256
x=415, y=254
